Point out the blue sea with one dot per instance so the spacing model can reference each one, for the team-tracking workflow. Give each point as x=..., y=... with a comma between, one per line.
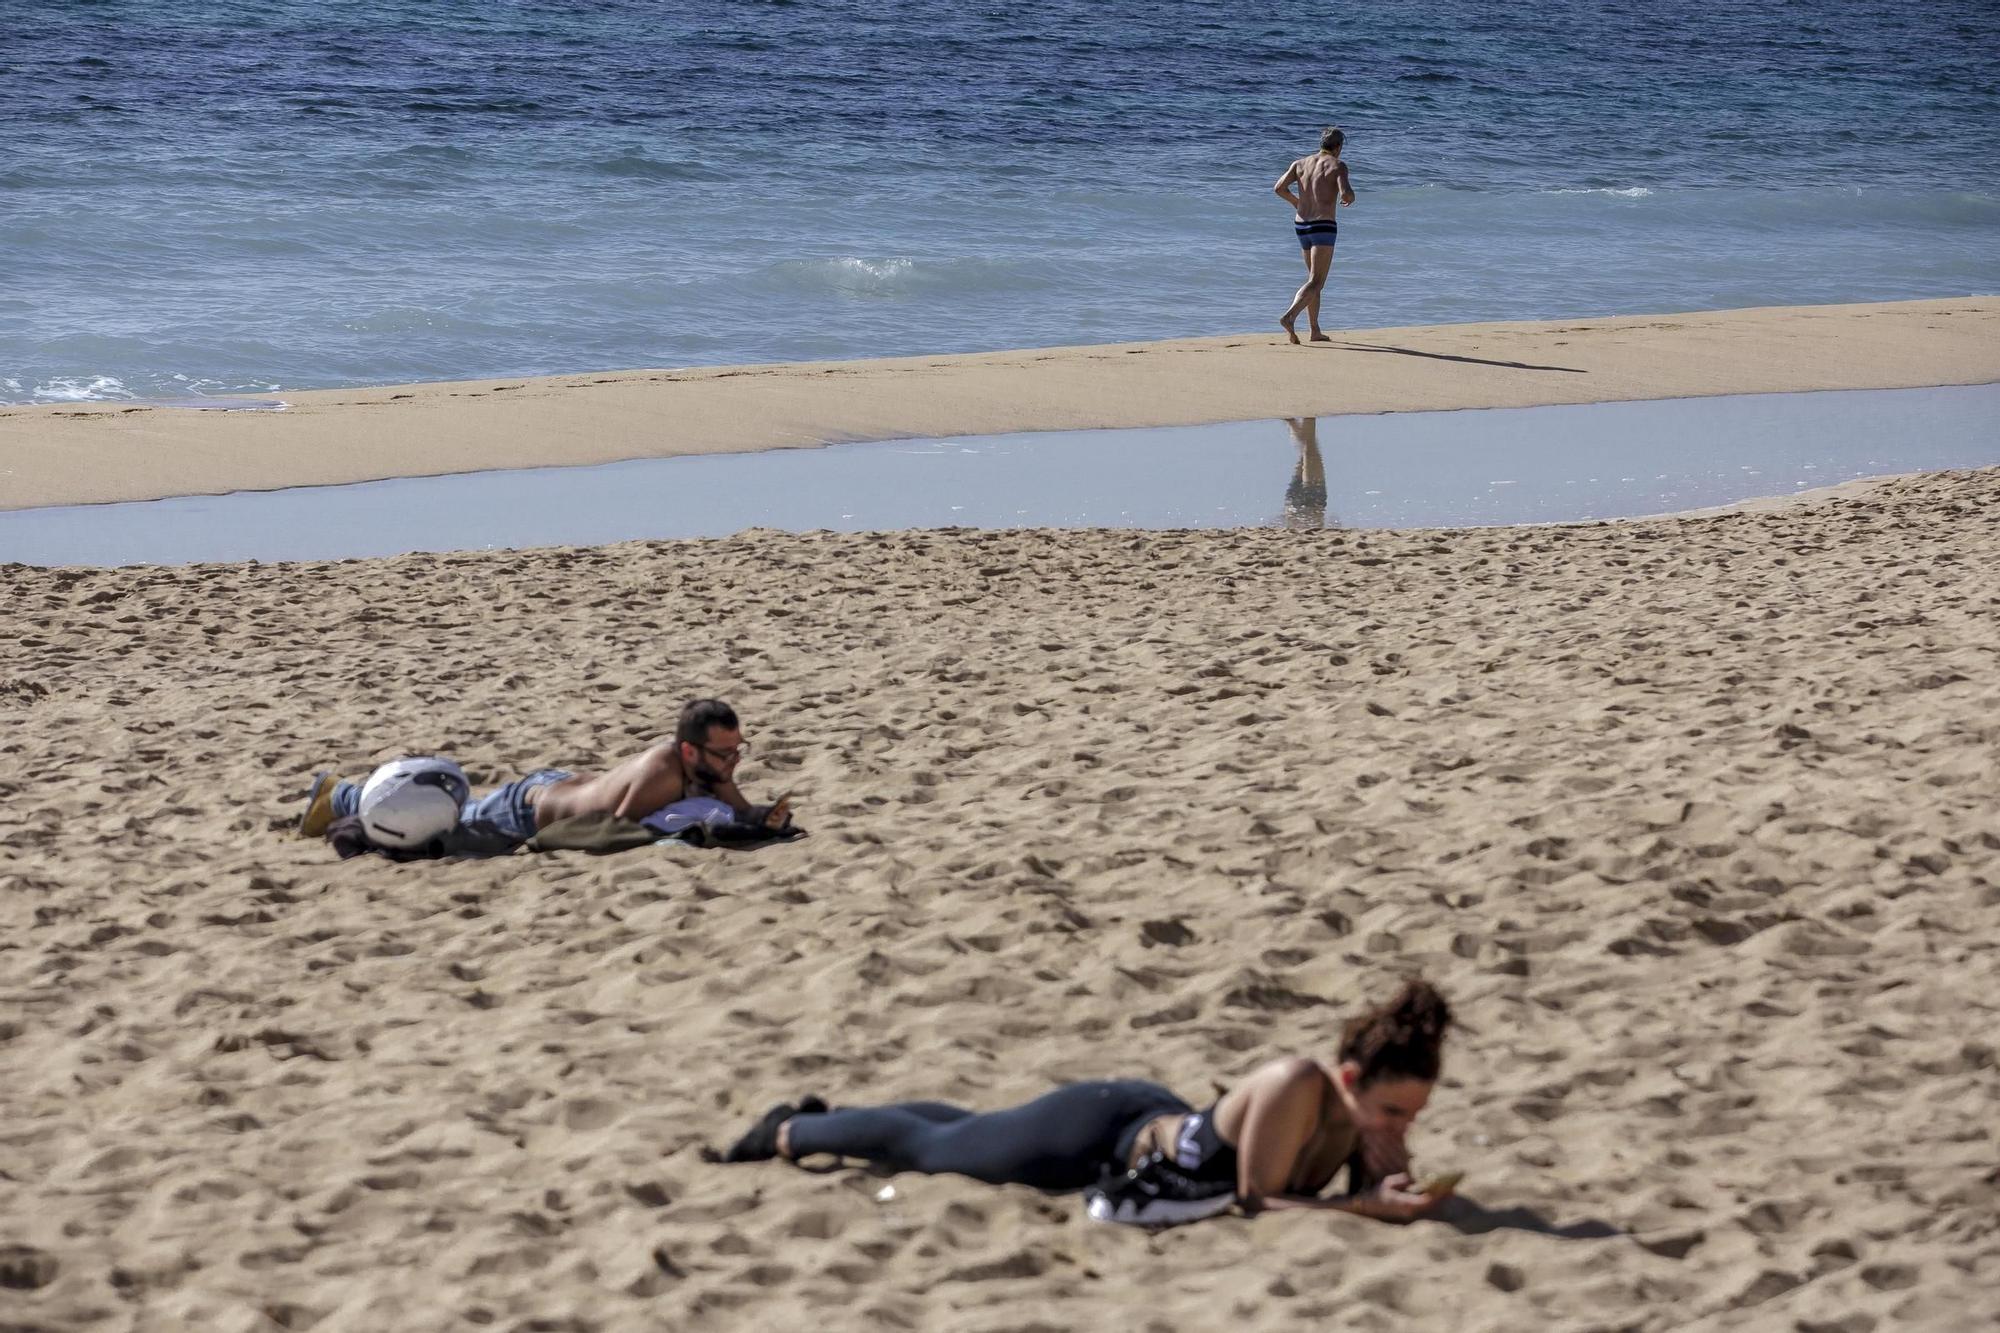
x=201, y=197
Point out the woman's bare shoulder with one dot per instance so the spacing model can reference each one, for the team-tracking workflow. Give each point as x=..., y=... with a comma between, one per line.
x=1285, y=1069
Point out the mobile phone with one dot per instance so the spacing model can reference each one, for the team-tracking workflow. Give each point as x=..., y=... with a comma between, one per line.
x=1441, y=1184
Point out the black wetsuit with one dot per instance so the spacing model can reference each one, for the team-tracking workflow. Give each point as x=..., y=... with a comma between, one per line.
x=1063, y=1140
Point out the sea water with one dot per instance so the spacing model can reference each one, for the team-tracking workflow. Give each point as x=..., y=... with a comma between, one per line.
x=204, y=197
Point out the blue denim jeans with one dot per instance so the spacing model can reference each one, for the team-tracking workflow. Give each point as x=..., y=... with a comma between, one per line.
x=503, y=812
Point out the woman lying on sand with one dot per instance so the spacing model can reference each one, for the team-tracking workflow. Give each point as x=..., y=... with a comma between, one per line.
x=1276, y=1139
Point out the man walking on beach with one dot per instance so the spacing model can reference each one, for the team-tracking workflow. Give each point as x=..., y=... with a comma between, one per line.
x=700, y=761
x=1322, y=187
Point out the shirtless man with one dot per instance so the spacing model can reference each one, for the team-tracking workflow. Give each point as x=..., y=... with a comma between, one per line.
x=700, y=760
x=1322, y=186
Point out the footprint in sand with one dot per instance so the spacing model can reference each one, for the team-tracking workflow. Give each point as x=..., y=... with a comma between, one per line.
x=816, y=1224
x=25, y=1268
x=586, y=1115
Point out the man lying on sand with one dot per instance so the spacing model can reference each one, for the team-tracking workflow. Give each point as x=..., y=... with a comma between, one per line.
x=700, y=761
x=1274, y=1141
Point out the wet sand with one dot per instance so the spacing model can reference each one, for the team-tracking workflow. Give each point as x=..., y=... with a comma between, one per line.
x=80, y=454
x=1693, y=819
x=1471, y=468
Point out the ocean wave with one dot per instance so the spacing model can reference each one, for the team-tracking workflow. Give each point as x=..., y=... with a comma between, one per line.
x=1629, y=192
x=24, y=178
x=429, y=152
x=637, y=166
x=852, y=276
x=867, y=276
x=475, y=106
x=76, y=389
x=899, y=277
x=176, y=390
x=416, y=320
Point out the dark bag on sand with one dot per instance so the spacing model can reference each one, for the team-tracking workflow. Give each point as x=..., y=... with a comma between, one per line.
x=349, y=839
x=741, y=833
x=601, y=835
x=1156, y=1193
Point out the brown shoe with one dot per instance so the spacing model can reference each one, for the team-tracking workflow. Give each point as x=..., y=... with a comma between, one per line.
x=318, y=817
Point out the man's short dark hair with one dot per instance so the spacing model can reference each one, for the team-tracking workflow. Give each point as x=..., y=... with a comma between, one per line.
x=701, y=716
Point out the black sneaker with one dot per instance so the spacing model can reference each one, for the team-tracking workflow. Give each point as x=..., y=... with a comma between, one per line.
x=1156, y=1193
x=760, y=1144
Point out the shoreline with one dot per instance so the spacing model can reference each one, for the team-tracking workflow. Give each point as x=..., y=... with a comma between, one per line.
x=1404, y=472
x=63, y=454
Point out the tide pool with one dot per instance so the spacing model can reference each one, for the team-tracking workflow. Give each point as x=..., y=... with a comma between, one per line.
x=1400, y=470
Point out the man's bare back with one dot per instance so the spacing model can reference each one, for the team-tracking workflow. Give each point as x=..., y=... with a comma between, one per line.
x=668, y=772
x=629, y=790
x=1322, y=182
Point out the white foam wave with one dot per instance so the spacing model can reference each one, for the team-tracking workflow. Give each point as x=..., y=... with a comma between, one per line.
x=868, y=274
x=901, y=278
x=80, y=389
x=1630, y=192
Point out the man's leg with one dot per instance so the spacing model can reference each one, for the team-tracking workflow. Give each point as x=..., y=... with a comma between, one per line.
x=327, y=801
x=1319, y=261
x=504, y=817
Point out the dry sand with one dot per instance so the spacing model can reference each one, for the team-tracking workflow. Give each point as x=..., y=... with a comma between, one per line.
x=1694, y=819
x=79, y=454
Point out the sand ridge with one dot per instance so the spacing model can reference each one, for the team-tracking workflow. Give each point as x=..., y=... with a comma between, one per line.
x=90, y=453
x=1692, y=818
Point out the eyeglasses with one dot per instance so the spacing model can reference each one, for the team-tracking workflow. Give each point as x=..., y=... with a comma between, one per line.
x=725, y=756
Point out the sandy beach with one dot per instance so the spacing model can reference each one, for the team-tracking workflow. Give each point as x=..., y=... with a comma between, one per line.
x=1692, y=818
x=89, y=453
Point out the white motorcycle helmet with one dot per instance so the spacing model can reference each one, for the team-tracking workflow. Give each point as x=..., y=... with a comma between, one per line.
x=407, y=803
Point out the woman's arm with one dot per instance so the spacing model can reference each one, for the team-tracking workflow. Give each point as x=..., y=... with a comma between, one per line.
x=1282, y=1103
x=1394, y=1200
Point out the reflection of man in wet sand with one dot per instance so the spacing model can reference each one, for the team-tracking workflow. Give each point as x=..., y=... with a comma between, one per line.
x=1322, y=186
x=1305, y=498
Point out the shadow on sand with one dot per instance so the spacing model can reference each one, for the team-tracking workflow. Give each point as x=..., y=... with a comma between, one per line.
x=1473, y=1218
x=1446, y=356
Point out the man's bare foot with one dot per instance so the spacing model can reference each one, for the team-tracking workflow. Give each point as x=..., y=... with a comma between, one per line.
x=1290, y=332
x=1319, y=337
